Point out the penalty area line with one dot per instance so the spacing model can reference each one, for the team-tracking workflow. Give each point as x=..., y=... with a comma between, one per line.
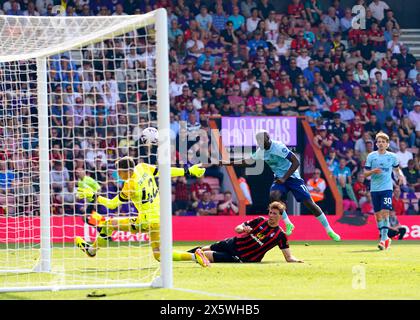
x=220, y=295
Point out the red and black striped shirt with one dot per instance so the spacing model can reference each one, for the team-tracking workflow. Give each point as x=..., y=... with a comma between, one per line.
x=262, y=238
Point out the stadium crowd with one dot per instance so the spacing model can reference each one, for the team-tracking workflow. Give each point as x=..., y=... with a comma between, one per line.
x=234, y=58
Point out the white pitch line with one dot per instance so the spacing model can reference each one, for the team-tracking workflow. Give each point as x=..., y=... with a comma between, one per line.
x=214, y=294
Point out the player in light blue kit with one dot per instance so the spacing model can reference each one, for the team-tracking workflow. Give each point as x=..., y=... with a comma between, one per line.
x=284, y=165
x=379, y=165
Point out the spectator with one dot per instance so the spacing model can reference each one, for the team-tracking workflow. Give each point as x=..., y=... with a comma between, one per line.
x=331, y=21
x=312, y=115
x=344, y=184
x=357, y=100
x=264, y=8
x=406, y=131
x=343, y=145
x=316, y=186
x=314, y=11
x=336, y=127
x=288, y=104
x=377, y=39
x=404, y=155
x=252, y=21
x=323, y=140
x=412, y=75
x=378, y=8
x=367, y=51
x=206, y=207
x=406, y=61
x=237, y=19
x=399, y=112
x=412, y=177
x=346, y=22
x=219, y=19
x=356, y=129
x=247, y=6
x=59, y=177
x=373, y=126
x=395, y=229
x=398, y=203
x=204, y=19
x=198, y=189
x=414, y=115
x=360, y=189
x=361, y=76
x=227, y=207
x=299, y=43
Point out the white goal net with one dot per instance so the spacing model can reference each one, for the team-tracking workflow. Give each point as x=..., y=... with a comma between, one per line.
x=75, y=94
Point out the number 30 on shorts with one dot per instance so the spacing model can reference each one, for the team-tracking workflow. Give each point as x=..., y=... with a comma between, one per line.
x=387, y=201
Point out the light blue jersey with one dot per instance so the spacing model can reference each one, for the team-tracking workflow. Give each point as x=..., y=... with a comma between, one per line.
x=386, y=162
x=276, y=158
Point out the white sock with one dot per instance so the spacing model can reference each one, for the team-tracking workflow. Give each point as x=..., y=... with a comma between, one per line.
x=285, y=217
x=323, y=219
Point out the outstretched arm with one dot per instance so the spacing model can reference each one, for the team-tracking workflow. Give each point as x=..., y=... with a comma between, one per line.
x=289, y=257
x=195, y=171
x=110, y=203
x=88, y=188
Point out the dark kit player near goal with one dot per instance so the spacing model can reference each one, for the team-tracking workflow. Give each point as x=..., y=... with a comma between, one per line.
x=284, y=165
x=256, y=238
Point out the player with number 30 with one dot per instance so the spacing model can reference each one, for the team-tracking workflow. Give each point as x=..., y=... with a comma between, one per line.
x=379, y=165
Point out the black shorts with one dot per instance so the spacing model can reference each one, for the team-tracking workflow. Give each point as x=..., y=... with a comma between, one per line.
x=224, y=251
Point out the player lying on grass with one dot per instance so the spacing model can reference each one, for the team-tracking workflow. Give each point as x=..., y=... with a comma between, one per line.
x=256, y=238
x=284, y=165
x=379, y=165
x=140, y=188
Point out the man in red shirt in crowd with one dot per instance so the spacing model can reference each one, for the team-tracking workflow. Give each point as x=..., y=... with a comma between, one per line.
x=376, y=37
x=355, y=36
x=182, y=100
x=299, y=43
x=323, y=140
x=392, y=72
x=198, y=188
x=374, y=98
x=296, y=10
x=397, y=202
x=227, y=207
x=283, y=84
x=360, y=189
x=356, y=129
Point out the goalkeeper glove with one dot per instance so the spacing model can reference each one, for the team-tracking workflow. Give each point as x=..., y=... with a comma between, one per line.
x=86, y=193
x=195, y=171
x=89, y=182
x=87, y=188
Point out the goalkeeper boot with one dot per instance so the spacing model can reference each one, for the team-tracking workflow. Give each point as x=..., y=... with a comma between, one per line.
x=85, y=247
x=289, y=228
x=388, y=243
x=94, y=220
x=201, y=258
x=381, y=245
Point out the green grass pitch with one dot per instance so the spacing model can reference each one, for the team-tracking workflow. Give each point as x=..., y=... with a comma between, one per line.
x=347, y=270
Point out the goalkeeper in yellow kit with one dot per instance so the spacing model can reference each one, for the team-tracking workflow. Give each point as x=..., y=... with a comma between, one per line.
x=139, y=187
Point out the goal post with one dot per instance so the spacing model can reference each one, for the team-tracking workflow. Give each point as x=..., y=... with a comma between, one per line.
x=111, y=72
